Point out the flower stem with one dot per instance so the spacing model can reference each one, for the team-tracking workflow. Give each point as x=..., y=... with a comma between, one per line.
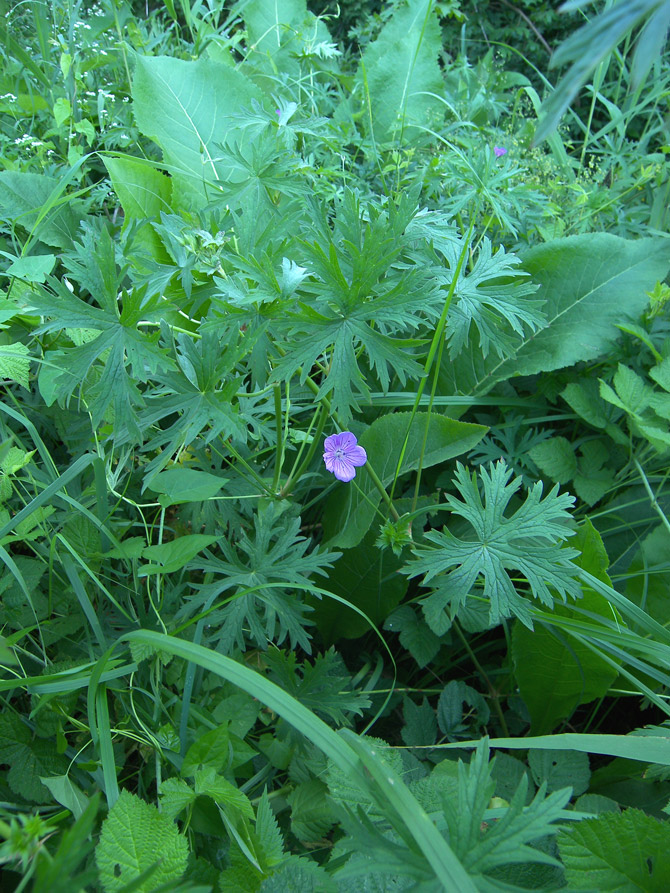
x=314, y=388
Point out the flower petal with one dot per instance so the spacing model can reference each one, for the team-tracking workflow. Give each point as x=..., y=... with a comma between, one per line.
x=343, y=470
x=356, y=455
x=334, y=442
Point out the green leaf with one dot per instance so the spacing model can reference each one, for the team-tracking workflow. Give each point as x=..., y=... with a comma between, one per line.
x=23, y=196
x=211, y=750
x=414, y=633
x=278, y=35
x=32, y=267
x=492, y=297
x=226, y=795
x=133, y=838
x=555, y=457
x=178, y=485
x=176, y=795
x=399, y=70
x=589, y=284
x=15, y=363
x=625, y=851
x=28, y=759
x=350, y=512
x=556, y=673
x=144, y=192
x=189, y=109
x=324, y=686
x=420, y=728
x=66, y=792
x=527, y=542
x=176, y=554
x=368, y=578
x=559, y=769
x=508, y=840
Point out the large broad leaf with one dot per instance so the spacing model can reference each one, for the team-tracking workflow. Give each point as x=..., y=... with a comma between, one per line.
x=351, y=510
x=555, y=676
x=590, y=283
x=400, y=71
x=278, y=33
x=134, y=837
x=617, y=851
x=189, y=109
x=366, y=576
x=144, y=192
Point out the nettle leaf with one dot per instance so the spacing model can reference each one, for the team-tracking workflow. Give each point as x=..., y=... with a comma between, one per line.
x=559, y=768
x=617, y=851
x=134, y=837
x=414, y=633
x=15, y=363
x=483, y=846
x=528, y=542
x=555, y=457
x=28, y=759
x=450, y=714
x=494, y=298
x=274, y=552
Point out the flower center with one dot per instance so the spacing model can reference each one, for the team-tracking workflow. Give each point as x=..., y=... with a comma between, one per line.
x=339, y=453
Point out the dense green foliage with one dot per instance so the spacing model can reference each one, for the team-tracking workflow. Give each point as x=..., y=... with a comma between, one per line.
x=227, y=232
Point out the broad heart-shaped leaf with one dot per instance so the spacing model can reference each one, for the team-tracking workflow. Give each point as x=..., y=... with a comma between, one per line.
x=589, y=283
x=624, y=852
x=189, y=109
x=350, y=511
x=556, y=673
x=143, y=192
x=134, y=837
x=368, y=578
x=400, y=70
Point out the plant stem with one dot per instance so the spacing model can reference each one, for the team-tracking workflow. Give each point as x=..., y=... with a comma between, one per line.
x=495, y=697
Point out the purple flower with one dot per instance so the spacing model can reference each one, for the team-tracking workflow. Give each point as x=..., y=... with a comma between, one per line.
x=343, y=455
x=498, y=151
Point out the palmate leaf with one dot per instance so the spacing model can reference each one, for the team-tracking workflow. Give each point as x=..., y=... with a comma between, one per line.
x=324, y=686
x=199, y=394
x=494, y=298
x=274, y=553
x=129, y=354
x=364, y=291
x=528, y=542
